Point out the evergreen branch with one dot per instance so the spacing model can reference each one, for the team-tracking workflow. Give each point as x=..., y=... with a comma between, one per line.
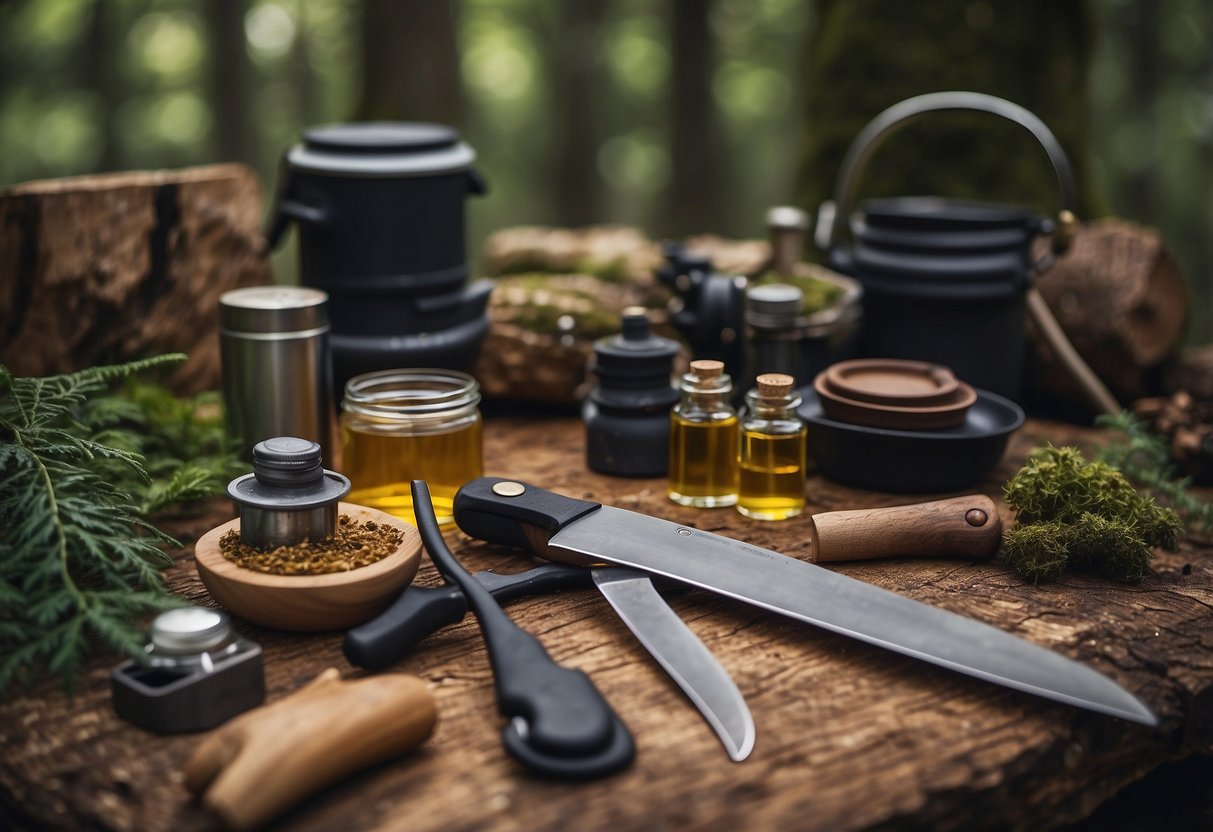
x=79, y=563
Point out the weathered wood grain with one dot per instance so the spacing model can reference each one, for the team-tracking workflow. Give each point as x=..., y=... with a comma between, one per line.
x=849, y=736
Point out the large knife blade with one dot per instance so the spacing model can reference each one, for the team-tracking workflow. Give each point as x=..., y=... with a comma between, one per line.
x=680, y=652
x=585, y=533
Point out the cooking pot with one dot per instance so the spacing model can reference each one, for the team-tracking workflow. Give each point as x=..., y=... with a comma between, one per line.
x=945, y=281
x=380, y=210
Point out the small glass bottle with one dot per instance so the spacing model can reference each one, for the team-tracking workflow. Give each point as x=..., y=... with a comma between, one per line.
x=772, y=451
x=404, y=425
x=703, y=439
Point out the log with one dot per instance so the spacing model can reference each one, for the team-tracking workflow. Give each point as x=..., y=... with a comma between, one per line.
x=849, y=736
x=1119, y=296
x=109, y=268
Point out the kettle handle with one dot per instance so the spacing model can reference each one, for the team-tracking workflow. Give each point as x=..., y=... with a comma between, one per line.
x=900, y=114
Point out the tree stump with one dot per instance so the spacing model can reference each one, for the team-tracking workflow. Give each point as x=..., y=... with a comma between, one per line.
x=104, y=269
x=1120, y=297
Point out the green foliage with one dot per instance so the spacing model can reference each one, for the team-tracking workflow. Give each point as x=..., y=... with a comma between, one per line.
x=1082, y=515
x=77, y=561
x=182, y=443
x=1143, y=457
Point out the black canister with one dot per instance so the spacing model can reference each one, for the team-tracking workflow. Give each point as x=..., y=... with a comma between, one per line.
x=944, y=281
x=380, y=208
x=627, y=415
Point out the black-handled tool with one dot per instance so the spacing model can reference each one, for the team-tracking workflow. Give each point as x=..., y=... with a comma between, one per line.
x=422, y=611
x=560, y=725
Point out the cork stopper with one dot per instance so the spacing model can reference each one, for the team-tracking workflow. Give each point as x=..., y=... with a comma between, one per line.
x=775, y=385
x=707, y=369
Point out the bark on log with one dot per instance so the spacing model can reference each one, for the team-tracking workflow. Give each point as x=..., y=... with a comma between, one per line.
x=103, y=269
x=1120, y=297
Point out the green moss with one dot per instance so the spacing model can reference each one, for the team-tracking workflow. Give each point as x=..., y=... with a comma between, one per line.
x=818, y=294
x=1084, y=515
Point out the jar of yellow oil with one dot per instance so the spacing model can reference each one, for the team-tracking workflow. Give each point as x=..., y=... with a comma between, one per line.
x=404, y=425
x=772, y=451
x=703, y=439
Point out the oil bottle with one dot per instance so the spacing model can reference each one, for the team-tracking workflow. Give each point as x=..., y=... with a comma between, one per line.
x=703, y=439
x=772, y=451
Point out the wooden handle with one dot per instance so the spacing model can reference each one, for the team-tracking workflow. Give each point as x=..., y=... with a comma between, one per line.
x=959, y=527
x=261, y=763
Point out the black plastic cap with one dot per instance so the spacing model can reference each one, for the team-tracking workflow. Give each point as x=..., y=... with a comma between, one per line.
x=287, y=461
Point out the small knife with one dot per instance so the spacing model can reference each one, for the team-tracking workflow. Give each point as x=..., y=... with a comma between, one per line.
x=421, y=611
x=585, y=533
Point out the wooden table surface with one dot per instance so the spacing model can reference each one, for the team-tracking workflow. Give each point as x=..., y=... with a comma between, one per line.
x=849, y=736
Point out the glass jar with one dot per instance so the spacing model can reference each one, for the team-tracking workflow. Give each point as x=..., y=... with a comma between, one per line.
x=772, y=451
x=703, y=439
x=404, y=425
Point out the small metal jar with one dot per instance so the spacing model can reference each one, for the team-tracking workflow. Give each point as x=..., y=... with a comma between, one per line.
x=402, y=425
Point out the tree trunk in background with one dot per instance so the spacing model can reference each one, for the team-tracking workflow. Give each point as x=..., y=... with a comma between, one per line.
x=866, y=55
x=575, y=58
x=410, y=64
x=228, y=78
x=98, y=73
x=695, y=186
x=1145, y=61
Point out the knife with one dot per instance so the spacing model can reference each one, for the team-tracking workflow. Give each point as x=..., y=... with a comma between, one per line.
x=421, y=611
x=585, y=533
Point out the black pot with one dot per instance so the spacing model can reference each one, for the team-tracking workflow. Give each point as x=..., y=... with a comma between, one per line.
x=944, y=281
x=380, y=209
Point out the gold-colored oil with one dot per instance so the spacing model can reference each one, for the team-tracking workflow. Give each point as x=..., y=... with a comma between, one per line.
x=772, y=475
x=382, y=464
x=703, y=461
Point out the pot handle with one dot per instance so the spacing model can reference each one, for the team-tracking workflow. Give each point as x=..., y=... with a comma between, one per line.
x=832, y=219
x=288, y=208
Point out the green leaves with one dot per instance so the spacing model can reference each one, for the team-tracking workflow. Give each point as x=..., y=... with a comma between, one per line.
x=78, y=563
x=1082, y=515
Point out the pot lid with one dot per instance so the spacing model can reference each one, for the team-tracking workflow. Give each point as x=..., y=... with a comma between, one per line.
x=932, y=213
x=381, y=148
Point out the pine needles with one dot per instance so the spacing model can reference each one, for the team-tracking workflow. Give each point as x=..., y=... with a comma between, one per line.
x=77, y=560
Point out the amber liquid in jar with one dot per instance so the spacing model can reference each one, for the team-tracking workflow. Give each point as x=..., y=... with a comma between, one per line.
x=703, y=461
x=402, y=425
x=772, y=475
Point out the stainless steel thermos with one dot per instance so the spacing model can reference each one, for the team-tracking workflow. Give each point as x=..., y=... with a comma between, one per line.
x=277, y=375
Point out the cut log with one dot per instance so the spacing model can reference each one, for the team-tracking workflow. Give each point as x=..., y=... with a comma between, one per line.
x=1121, y=299
x=104, y=269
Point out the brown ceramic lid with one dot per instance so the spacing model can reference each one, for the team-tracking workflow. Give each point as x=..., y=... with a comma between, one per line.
x=892, y=381
x=944, y=414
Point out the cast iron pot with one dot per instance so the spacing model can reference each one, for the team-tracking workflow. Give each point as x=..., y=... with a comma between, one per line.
x=944, y=281
x=380, y=209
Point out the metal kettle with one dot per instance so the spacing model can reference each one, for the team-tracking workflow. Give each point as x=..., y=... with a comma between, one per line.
x=944, y=280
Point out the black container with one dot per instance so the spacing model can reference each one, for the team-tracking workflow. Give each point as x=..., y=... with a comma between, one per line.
x=627, y=415
x=944, y=281
x=380, y=208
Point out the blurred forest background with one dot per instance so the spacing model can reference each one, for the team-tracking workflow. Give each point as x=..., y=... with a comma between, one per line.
x=679, y=116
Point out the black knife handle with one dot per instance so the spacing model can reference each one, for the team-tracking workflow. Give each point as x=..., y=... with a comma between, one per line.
x=417, y=613
x=515, y=513
x=560, y=725
x=422, y=611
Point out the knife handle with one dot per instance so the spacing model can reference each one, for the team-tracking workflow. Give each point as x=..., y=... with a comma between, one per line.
x=515, y=513
x=422, y=611
x=959, y=527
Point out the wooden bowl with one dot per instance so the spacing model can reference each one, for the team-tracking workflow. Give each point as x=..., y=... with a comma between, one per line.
x=949, y=413
x=892, y=381
x=334, y=601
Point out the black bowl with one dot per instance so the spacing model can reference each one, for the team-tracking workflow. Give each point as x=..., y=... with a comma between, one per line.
x=911, y=461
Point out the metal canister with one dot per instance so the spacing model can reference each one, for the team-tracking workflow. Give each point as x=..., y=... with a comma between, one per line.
x=277, y=373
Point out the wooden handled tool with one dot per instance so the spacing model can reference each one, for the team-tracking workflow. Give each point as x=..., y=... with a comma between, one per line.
x=959, y=527
x=261, y=763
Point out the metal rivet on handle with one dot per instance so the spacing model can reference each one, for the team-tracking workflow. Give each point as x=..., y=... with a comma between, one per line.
x=506, y=488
